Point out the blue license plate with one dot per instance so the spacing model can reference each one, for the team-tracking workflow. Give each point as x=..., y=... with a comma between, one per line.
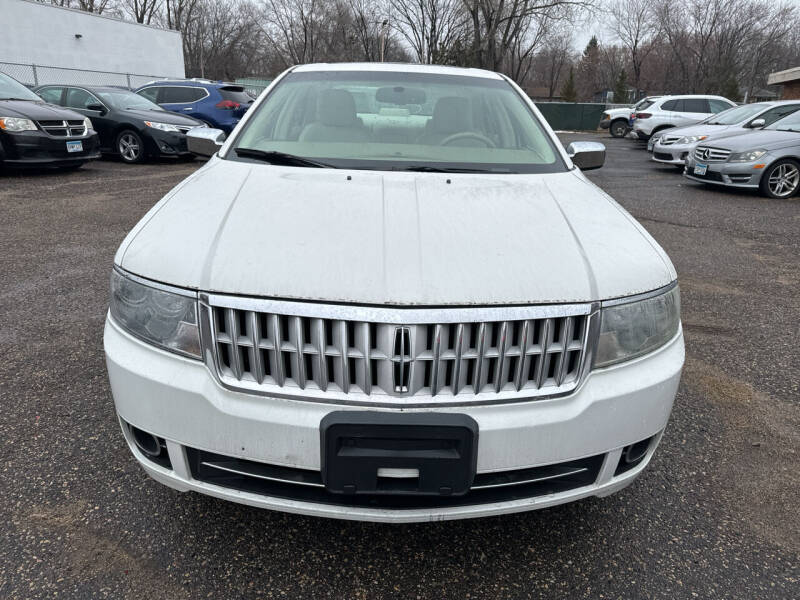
x=700, y=169
x=74, y=146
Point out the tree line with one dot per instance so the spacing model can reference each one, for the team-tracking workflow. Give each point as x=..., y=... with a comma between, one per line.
x=640, y=46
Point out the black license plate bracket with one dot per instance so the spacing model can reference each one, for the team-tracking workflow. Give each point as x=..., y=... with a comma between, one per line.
x=422, y=454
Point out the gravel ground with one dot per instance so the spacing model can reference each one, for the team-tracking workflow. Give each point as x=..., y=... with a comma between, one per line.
x=714, y=516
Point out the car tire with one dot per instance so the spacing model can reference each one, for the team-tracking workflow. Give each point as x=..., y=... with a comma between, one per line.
x=618, y=128
x=129, y=146
x=781, y=179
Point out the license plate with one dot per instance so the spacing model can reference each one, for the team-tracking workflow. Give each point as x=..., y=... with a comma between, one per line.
x=74, y=146
x=700, y=169
x=417, y=454
x=650, y=145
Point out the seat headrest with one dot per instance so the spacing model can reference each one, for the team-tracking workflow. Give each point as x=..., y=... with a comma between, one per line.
x=451, y=115
x=337, y=108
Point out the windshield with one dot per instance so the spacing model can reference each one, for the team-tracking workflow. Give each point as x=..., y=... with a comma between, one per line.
x=396, y=121
x=737, y=114
x=788, y=123
x=11, y=88
x=123, y=99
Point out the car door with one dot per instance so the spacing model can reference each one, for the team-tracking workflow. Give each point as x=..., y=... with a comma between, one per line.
x=180, y=99
x=694, y=110
x=79, y=99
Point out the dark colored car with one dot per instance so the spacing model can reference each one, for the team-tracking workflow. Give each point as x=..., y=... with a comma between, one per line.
x=219, y=105
x=33, y=133
x=129, y=126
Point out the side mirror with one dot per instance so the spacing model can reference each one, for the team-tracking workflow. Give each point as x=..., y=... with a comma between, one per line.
x=204, y=141
x=756, y=123
x=587, y=155
x=98, y=108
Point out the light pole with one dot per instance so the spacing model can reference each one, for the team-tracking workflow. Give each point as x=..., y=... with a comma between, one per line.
x=384, y=27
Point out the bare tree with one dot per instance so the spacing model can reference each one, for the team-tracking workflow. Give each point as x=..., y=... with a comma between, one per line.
x=430, y=27
x=635, y=24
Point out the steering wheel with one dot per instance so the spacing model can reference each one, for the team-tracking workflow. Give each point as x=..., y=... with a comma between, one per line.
x=465, y=135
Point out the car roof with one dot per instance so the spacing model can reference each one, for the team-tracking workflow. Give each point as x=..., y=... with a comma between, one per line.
x=397, y=68
x=189, y=83
x=701, y=96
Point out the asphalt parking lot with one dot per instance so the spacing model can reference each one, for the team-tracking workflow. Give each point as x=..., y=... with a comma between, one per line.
x=714, y=516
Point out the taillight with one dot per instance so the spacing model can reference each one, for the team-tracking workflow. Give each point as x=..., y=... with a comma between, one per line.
x=642, y=115
x=228, y=105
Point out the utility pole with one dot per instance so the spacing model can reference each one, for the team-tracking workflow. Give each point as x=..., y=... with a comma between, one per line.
x=384, y=27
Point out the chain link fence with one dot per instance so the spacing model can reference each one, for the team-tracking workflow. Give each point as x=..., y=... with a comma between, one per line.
x=33, y=75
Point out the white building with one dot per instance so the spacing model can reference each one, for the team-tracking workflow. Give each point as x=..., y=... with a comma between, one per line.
x=51, y=36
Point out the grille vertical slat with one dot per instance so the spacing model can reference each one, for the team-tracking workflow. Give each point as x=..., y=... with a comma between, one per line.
x=339, y=357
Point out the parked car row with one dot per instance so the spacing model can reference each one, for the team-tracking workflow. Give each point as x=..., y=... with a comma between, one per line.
x=753, y=146
x=64, y=126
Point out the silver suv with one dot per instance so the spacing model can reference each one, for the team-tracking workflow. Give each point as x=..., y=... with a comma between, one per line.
x=675, y=111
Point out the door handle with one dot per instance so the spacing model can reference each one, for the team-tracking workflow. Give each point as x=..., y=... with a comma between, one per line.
x=188, y=108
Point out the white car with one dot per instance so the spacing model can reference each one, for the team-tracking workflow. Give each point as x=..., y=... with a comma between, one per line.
x=618, y=120
x=676, y=111
x=420, y=310
x=673, y=146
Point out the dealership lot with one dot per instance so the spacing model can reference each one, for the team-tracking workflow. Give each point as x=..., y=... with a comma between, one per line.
x=714, y=515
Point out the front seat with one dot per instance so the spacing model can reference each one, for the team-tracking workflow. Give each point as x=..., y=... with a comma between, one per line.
x=451, y=115
x=337, y=120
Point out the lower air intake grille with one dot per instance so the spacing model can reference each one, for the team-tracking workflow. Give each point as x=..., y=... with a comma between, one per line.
x=329, y=357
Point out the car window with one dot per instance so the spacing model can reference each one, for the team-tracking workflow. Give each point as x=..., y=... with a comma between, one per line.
x=719, y=105
x=695, y=105
x=126, y=100
x=400, y=120
x=644, y=104
x=180, y=94
x=737, y=114
x=788, y=123
x=235, y=94
x=150, y=93
x=778, y=113
x=51, y=94
x=11, y=88
x=78, y=98
x=674, y=105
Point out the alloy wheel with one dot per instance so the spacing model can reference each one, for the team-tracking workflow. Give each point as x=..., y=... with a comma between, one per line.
x=129, y=147
x=784, y=180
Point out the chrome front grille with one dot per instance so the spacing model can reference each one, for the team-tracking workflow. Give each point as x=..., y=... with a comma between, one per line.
x=710, y=154
x=273, y=349
x=69, y=128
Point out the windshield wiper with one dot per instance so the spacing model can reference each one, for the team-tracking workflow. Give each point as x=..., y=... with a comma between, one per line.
x=430, y=169
x=274, y=157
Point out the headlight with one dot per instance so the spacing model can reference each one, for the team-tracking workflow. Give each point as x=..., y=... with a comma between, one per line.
x=161, y=126
x=16, y=124
x=163, y=318
x=636, y=328
x=88, y=124
x=691, y=139
x=749, y=156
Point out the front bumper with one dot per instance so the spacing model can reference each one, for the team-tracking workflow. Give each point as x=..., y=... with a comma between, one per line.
x=673, y=154
x=738, y=175
x=166, y=143
x=605, y=124
x=36, y=148
x=177, y=399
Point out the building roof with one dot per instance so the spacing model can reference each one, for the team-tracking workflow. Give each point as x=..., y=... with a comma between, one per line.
x=784, y=76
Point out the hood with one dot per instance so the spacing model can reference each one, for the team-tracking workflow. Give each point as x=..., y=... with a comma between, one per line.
x=374, y=237
x=160, y=116
x=714, y=132
x=38, y=111
x=618, y=112
x=768, y=139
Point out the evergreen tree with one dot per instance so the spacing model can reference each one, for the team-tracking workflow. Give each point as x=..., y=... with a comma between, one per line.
x=730, y=89
x=621, y=88
x=568, y=92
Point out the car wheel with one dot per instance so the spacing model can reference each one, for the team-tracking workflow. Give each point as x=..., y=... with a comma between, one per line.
x=130, y=146
x=781, y=179
x=618, y=129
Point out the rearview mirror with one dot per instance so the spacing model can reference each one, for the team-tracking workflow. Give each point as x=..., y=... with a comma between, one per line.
x=96, y=108
x=204, y=141
x=587, y=155
x=755, y=123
